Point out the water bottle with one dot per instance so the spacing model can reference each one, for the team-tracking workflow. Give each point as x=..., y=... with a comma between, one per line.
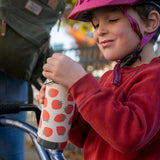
x=56, y=117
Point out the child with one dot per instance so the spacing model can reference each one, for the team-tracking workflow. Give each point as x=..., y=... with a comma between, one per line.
x=117, y=118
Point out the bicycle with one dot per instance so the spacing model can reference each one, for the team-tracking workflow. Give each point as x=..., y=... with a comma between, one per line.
x=43, y=153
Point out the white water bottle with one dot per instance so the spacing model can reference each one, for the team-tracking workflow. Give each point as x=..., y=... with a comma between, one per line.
x=56, y=117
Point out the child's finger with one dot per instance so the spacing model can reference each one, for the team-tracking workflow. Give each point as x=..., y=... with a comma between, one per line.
x=40, y=97
x=37, y=98
x=41, y=101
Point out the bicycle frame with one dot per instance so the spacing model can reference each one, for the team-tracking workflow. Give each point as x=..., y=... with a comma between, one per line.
x=43, y=153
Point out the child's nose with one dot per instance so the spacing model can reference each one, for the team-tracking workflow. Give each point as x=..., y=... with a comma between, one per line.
x=102, y=29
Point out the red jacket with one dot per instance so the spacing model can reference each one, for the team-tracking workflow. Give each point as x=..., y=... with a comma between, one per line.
x=118, y=123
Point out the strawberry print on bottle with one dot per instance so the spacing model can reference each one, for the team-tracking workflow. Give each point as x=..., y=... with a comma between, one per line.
x=56, y=104
x=60, y=130
x=40, y=123
x=56, y=117
x=53, y=92
x=45, y=115
x=60, y=118
x=68, y=109
x=45, y=102
x=47, y=131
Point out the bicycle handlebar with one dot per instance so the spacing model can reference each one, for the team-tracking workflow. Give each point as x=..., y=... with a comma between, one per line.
x=44, y=154
x=10, y=108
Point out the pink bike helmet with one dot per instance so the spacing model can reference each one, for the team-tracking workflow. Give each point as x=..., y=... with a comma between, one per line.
x=82, y=7
x=82, y=12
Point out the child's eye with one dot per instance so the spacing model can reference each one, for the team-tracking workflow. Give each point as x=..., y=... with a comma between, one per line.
x=113, y=20
x=96, y=26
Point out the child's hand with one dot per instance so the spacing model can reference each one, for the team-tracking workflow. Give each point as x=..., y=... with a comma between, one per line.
x=40, y=97
x=63, y=70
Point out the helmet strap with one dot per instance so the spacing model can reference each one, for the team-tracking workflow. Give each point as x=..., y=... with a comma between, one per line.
x=132, y=21
x=125, y=62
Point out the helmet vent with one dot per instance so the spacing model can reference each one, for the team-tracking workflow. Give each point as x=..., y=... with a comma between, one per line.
x=81, y=1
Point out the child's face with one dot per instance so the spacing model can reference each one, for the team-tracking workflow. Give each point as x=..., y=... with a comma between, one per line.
x=113, y=32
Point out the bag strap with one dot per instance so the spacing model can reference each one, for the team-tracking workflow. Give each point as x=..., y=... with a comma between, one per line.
x=3, y=29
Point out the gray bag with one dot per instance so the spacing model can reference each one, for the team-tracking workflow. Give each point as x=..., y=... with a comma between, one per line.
x=25, y=27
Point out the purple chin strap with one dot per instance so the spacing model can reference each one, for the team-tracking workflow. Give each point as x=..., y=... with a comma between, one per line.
x=132, y=57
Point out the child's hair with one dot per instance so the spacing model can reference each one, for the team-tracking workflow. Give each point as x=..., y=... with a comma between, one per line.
x=143, y=11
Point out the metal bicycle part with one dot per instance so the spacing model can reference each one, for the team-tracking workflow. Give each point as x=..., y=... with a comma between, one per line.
x=43, y=153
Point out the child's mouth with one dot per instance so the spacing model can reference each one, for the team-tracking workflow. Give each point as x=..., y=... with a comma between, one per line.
x=106, y=43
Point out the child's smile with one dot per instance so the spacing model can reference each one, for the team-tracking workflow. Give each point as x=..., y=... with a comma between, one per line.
x=106, y=43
